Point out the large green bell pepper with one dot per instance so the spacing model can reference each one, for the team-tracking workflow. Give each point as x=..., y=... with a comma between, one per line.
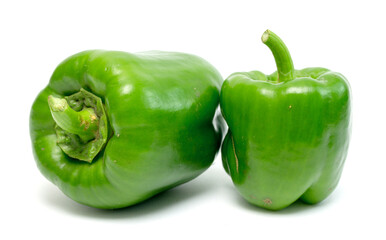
x=288, y=132
x=112, y=129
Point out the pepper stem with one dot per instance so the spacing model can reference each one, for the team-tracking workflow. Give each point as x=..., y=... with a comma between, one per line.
x=82, y=127
x=83, y=123
x=284, y=64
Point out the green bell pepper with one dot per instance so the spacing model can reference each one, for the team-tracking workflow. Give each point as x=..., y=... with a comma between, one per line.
x=288, y=132
x=112, y=129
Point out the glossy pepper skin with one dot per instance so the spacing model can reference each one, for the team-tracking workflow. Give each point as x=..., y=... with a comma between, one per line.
x=112, y=129
x=288, y=133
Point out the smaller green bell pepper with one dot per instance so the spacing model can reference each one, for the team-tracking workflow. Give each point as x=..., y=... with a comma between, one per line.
x=288, y=132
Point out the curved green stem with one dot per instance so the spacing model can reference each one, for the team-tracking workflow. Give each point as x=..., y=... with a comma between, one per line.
x=284, y=64
x=83, y=123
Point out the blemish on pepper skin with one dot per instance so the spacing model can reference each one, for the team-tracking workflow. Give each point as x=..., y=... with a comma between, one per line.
x=85, y=123
x=118, y=134
x=289, y=107
x=42, y=149
x=267, y=202
x=93, y=118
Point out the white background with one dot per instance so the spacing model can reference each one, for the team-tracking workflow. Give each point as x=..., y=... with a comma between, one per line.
x=345, y=36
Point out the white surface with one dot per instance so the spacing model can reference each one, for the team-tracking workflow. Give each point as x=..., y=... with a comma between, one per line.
x=345, y=36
